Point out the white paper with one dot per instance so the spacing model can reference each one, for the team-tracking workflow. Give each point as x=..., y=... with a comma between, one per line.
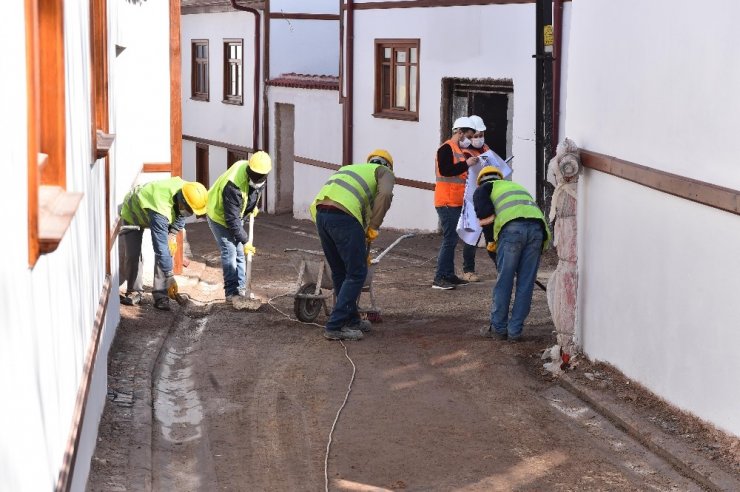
x=490, y=158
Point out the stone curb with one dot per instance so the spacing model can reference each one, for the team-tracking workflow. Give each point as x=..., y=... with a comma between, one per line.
x=675, y=452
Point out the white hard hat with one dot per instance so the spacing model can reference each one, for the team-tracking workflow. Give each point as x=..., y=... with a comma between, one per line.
x=463, y=122
x=477, y=122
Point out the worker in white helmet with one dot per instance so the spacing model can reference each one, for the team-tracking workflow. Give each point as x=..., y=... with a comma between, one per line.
x=451, y=169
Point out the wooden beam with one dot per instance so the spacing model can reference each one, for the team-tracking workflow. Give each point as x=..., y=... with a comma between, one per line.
x=694, y=190
x=176, y=108
x=157, y=167
x=216, y=143
x=32, y=147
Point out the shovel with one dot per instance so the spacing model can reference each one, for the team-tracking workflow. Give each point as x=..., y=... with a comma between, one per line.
x=248, y=302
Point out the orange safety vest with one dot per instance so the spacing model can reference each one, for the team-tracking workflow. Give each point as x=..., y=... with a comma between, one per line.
x=476, y=152
x=450, y=190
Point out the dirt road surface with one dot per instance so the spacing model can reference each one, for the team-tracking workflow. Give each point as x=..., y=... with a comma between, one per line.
x=244, y=401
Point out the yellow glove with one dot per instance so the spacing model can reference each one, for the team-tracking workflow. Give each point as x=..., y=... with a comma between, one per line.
x=369, y=260
x=250, y=249
x=254, y=212
x=371, y=234
x=491, y=247
x=172, y=244
x=172, y=289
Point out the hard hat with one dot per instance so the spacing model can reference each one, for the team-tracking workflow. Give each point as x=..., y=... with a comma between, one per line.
x=384, y=156
x=260, y=162
x=477, y=122
x=463, y=122
x=195, y=196
x=488, y=173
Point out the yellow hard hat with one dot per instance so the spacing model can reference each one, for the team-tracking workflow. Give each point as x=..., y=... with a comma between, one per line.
x=196, y=196
x=384, y=155
x=489, y=171
x=260, y=162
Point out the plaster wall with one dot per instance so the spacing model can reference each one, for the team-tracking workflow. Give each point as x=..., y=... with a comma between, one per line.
x=318, y=135
x=656, y=291
x=213, y=119
x=498, y=45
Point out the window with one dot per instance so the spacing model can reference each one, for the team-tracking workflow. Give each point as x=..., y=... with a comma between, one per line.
x=233, y=80
x=234, y=155
x=201, y=164
x=397, y=78
x=199, y=70
x=50, y=207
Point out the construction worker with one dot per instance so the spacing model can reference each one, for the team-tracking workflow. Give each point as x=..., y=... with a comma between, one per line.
x=162, y=206
x=517, y=232
x=452, y=171
x=471, y=236
x=231, y=199
x=348, y=211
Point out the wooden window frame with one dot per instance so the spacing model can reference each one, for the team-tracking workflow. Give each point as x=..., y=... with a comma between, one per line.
x=396, y=45
x=50, y=207
x=230, y=98
x=195, y=62
x=198, y=164
x=239, y=154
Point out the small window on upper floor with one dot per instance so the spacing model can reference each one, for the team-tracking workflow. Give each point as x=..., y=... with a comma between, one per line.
x=233, y=79
x=397, y=79
x=199, y=70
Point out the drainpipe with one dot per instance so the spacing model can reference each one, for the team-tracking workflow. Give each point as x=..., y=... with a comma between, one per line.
x=348, y=101
x=556, y=67
x=256, y=112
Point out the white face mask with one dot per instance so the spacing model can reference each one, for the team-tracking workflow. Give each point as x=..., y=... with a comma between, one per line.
x=464, y=143
x=259, y=185
x=478, y=142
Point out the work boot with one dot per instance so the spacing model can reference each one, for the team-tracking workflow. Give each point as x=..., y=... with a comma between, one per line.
x=442, y=284
x=131, y=298
x=343, y=334
x=163, y=304
x=455, y=280
x=470, y=277
x=363, y=325
x=489, y=332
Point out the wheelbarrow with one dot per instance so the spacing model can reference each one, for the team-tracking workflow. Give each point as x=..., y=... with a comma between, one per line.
x=314, y=285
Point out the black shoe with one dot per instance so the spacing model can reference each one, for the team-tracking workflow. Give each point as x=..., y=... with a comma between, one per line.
x=455, y=280
x=442, y=284
x=489, y=332
x=163, y=303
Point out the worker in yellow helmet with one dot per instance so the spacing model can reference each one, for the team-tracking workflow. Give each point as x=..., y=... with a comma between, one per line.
x=348, y=211
x=161, y=206
x=231, y=199
x=517, y=233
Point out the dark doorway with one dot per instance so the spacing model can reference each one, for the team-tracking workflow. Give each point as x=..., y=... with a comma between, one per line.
x=201, y=164
x=491, y=99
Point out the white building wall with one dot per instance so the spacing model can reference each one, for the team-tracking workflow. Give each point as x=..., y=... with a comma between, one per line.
x=318, y=131
x=657, y=293
x=498, y=43
x=213, y=119
x=47, y=313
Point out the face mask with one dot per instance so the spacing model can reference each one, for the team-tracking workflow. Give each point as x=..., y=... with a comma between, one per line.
x=464, y=143
x=478, y=142
x=259, y=185
x=184, y=212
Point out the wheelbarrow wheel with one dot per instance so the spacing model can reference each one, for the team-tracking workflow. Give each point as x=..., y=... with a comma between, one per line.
x=307, y=310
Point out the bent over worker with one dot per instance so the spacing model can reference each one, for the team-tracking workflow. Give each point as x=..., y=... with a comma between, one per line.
x=348, y=211
x=162, y=206
x=517, y=232
x=231, y=199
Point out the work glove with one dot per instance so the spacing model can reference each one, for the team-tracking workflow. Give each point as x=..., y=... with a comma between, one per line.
x=491, y=248
x=371, y=234
x=172, y=289
x=172, y=244
x=250, y=249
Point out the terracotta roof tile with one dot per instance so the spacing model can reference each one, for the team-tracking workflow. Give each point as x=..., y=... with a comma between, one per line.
x=306, y=81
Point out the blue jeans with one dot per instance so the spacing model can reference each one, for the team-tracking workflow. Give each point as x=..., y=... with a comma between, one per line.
x=448, y=218
x=518, y=253
x=232, y=258
x=343, y=240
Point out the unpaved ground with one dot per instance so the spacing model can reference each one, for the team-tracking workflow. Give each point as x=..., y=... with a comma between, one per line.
x=245, y=401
